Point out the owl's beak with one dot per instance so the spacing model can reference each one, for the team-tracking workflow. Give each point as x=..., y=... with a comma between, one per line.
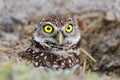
x=60, y=38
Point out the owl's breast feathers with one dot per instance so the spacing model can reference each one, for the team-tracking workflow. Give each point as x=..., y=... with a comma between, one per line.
x=40, y=56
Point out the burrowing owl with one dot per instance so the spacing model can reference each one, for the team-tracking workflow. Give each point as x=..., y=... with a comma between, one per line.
x=55, y=43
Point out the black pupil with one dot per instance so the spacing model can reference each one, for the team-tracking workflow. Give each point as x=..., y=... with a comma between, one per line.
x=48, y=28
x=68, y=28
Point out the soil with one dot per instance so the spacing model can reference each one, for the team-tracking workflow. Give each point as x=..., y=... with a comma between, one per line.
x=103, y=43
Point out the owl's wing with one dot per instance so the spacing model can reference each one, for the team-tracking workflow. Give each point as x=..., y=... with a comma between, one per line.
x=30, y=54
x=26, y=54
x=37, y=55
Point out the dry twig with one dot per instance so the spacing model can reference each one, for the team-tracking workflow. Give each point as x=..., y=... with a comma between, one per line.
x=88, y=54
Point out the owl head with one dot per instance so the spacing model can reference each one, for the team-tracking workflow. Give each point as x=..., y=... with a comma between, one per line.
x=56, y=32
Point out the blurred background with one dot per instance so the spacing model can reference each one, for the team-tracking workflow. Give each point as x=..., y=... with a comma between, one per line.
x=99, y=21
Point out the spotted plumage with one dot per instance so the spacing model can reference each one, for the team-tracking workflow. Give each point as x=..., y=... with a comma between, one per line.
x=55, y=43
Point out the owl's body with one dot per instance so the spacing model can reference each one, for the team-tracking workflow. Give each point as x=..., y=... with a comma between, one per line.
x=55, y=43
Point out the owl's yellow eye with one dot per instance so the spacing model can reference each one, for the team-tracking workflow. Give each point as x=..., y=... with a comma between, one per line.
x=69, y=28
x=48, y=28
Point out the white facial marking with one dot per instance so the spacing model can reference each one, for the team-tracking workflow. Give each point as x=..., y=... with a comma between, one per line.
x=73, y=40
x=39, y=39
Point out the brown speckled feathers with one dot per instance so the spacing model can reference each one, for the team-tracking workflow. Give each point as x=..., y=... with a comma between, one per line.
x=57, y=19
x=45, y=51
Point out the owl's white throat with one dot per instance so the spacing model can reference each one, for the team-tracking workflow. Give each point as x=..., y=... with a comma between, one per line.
x=64, y=52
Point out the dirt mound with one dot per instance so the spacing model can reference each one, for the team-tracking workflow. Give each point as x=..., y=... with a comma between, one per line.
x=104, y=45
